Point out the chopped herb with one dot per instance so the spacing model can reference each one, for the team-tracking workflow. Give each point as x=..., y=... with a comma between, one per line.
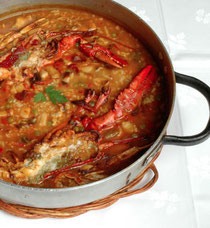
x=10, y=100
x=77, y=44
x=148, y=99
x=24, y=57
x=114, y=34
x=78, y=129
x=60, y=26
x=10, y=120
x=100, y=40
x=81, y=128
x=7, y=106
x=39, y=97
x=34, y=111
x=43, y=42
x=136, y=55
x=69, y=70
x=79, y=84
x=72, y=123
x=21, y=58
x=92, y=103
x=36, y=133
x=49, y=123
x=55, y=95
x=134, y=135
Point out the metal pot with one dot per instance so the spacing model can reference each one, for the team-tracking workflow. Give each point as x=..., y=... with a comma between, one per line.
x=66, y=197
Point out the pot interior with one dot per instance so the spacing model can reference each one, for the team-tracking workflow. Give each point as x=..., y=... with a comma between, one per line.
x=123, y=17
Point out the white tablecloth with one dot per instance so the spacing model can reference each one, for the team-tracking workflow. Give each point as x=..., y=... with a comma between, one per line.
x=181, y=197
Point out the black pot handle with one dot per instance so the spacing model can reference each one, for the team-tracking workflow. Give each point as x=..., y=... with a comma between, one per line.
x=202, y=136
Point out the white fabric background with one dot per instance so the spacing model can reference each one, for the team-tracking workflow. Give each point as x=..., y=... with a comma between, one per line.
x=181, y=197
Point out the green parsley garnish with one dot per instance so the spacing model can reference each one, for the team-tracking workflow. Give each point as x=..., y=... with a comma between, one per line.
x=10, y=120
x=134, y=135
x=10, y=100
x=92, y=103
x=24, y=57
x=37, y=133
x=78, y=129
x=69, y=70
x=21, y=58
x=39, y=97
x=7, y=106
x=55, y=95
x=49, y=123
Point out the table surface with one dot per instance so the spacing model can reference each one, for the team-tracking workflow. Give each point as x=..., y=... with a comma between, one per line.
x=181, y=197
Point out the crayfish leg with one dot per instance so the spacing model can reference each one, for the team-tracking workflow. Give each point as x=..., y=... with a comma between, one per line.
x=128, y=99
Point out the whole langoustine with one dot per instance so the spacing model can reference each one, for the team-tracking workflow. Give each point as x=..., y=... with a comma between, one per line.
x=53, y=153
x=36, y=53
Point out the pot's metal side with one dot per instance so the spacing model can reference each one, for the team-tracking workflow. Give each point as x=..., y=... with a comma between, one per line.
x=55, y=198
x=58, y=198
